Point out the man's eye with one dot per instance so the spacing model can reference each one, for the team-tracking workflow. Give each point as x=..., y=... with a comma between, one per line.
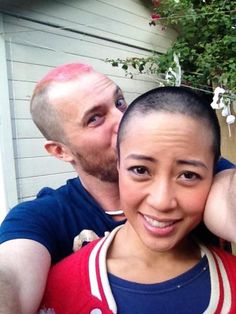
x=95, y=120
x=121, y=104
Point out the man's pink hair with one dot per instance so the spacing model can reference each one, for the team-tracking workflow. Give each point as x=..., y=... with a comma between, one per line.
x=63, y=73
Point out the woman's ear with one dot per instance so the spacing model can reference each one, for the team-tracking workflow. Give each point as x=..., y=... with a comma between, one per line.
x=59, y=150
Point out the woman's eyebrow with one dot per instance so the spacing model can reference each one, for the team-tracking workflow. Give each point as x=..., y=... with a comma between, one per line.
x=192, y=162
x=141, y=157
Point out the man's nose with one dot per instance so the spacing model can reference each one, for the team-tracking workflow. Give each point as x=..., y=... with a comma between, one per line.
x=162, y=196
x=117, y=115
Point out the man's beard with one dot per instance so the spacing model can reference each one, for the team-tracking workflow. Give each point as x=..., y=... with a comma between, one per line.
x=103, y=168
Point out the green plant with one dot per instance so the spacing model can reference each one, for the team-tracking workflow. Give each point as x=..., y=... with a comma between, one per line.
x=206, y=43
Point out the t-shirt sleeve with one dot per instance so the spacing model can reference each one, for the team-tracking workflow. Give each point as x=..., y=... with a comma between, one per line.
x=34, y=220
x=223, y=164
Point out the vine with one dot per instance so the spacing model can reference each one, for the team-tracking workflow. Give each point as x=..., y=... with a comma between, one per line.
x=205, y=45
x=206, y=42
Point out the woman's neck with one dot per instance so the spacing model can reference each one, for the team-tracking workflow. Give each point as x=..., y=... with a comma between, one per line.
x=130, y=259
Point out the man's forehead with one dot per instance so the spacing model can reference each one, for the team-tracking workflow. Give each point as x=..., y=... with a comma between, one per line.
x=98, y=87
x=88, y=93
x=100, y=100
x=85, y=85
x=97, y=81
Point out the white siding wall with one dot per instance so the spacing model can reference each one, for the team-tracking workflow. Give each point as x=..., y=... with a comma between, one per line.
x=39, y=35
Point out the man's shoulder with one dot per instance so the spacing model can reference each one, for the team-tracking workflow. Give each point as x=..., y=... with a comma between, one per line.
x=54, y=198
x=71, y=186
x=48, y=206
x=223, y=164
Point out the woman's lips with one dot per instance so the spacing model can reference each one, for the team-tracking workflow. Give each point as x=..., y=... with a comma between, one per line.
x=157, y=223
x=160, y=227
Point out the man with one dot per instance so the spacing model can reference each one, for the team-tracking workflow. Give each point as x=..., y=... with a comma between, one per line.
x=78, y=111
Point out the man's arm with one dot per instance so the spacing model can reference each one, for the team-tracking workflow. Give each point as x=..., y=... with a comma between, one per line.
x=24, y=266
x=220, y=211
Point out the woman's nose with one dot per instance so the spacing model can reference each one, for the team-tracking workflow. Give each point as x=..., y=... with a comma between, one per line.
x=161, y=196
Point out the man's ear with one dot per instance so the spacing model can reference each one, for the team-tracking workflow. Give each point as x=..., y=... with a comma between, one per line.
x=59, y=150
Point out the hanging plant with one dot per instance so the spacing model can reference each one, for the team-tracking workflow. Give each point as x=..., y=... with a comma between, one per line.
x=206, y=42
x=205, y=45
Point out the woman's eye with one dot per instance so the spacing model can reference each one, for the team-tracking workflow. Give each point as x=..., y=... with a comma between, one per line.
x=121, y=104
x=139, y=170
x=188, y=175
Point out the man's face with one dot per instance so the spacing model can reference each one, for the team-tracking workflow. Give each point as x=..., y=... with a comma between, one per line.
x=91, y=108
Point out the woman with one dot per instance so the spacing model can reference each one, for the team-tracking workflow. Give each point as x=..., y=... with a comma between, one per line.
x=161, y=260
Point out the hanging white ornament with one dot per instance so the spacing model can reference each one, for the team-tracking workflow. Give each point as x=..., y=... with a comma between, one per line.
x=224, y=103
x=218, y=102
x=174, y=75
x=221, y=103
x=230, y=119
x=225, y=111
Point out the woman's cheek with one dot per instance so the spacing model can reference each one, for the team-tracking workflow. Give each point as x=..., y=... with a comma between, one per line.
x=129, y=192
x=196, y=201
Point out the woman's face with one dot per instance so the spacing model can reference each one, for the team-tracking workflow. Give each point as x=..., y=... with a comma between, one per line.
x=165, y=173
